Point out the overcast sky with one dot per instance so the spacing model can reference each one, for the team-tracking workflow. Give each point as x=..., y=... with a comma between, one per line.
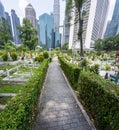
x=41, y=6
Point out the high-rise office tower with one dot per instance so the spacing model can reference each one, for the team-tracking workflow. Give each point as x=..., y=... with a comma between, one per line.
x=30, y=14
x=7, y=17
x=15, y=24
x=93, y=23
x=46, y=30
x=113, y=25
x=56, y=13
x=2, y=11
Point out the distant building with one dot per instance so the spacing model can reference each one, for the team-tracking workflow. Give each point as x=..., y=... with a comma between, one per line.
x=2, y=11
x=15, y=24
x=56, y=13
x=7, y=17
x=46, y=30
x=30, y=14
x=93, y=23
x=113, y=26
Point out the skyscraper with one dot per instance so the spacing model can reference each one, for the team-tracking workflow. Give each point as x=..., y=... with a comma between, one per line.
x=15, y=24
x=56, y=13
x=7, y=17
x=30, y=14
x=46, y=30
x=2, y=11
x=112, y=26
x=93, y=23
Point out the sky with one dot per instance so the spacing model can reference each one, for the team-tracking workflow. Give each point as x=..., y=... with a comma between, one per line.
x=41, y=6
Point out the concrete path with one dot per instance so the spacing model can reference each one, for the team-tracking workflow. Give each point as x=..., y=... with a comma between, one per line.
x=57, y=105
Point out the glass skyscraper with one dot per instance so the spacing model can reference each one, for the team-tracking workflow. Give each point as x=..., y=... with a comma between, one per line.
x=56, y=14
x=46, y=30
x=7, y=17
x=112, y=26
x=15, y=24
x=2, y=11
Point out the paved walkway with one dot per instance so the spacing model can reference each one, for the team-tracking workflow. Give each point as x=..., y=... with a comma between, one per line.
x=57, y=107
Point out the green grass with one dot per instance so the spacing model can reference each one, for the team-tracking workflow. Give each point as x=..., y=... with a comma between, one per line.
x=4, y=67
x=24, y=69
x=4, y=100
x=10, y=88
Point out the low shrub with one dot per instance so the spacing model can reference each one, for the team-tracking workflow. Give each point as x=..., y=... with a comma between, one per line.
x=18, y=112
x=45, y=54
x=101, y=98
x=5, y=57
x=14, y=56
x=72, y=72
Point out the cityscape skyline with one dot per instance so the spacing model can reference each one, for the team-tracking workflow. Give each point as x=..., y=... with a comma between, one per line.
x=40, y=7
x=19, y=7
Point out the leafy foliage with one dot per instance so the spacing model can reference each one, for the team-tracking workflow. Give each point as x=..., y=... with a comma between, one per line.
x=28, y=34
x=5, y=33
x=18, y=112
x=5, y=57
x=101, y=99
x=14, y=56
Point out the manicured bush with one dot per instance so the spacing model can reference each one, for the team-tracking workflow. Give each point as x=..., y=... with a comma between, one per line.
x=5, y=57
x=101, y=98
x=18, y=112
x=14, y=56
x=72, y=72
x=45, y=54
x=39, y=58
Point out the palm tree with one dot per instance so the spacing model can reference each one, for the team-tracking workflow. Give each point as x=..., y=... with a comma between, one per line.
x=78, y=5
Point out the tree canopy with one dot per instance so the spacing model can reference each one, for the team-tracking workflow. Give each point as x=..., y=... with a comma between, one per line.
x=77, y=5
x=28, y=34
x=5, y=33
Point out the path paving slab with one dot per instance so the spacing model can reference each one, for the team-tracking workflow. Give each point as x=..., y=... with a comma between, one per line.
x=57, y=106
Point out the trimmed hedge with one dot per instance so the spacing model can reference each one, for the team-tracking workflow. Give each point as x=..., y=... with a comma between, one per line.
x=72, y=72
x=101, y=98
x=18, y=112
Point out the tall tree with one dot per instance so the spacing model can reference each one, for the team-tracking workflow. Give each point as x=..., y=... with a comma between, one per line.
x=28, y=34
x=5, y=33
x=77, y=4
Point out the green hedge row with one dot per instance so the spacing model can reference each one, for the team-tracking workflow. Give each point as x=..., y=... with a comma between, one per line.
x=72, y=72
x=101, y=97
x=18, y=112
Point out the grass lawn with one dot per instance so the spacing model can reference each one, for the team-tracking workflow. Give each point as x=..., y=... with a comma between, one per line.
x=10, y=88
x=4, y=67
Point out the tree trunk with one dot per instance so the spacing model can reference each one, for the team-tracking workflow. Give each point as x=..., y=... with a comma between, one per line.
x=80, y=33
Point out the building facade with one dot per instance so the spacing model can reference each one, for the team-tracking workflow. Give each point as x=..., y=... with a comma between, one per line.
x=112, y=26
x=15, y=24
x=2, y=11
x=94, y=22
x=46, y=30
x=30, y=14
x=56, y=13
x=7, y=17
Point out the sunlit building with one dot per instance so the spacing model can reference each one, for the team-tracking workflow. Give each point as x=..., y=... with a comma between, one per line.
x=113, y=25
x=30, y=14
x=94, y=22
x=15, y=24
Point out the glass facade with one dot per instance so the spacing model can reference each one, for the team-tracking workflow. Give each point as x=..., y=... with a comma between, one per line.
x=15, y=24
x=112, y=26
x=46, y=30
x=7, y=17
x=2, y=11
